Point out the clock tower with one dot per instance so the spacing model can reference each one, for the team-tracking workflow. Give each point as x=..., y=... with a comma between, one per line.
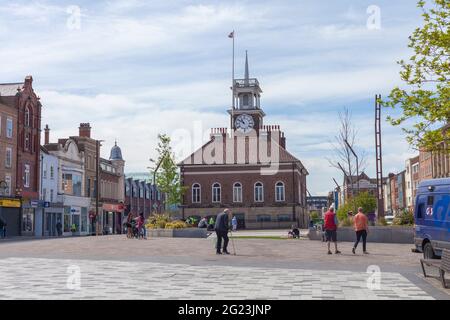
x=246, y=114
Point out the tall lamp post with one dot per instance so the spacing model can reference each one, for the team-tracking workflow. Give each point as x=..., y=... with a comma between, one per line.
x=347, y=179
x=97, y=183
x=357, y=163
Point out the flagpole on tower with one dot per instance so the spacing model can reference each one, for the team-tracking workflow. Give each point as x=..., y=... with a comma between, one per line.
x=231, y=35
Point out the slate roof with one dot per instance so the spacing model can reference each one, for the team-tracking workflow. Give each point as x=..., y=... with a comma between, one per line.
x=10, y=89
x=284, y=155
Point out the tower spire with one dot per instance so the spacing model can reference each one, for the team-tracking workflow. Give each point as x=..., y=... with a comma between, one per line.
x=246, y=76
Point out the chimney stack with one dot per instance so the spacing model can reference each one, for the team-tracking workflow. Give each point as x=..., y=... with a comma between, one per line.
x=47, y=134
x=85, y=130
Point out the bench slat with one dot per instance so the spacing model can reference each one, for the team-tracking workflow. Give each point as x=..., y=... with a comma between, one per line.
x=445, y=265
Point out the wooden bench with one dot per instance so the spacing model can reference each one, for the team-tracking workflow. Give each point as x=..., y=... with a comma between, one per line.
x=443, y=265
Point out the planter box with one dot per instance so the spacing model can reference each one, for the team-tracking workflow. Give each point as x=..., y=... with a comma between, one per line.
x=177, y=233
x=376, y=234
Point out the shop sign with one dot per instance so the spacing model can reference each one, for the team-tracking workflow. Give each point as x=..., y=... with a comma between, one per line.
x=75, y=210
x=10, y=203
x=34, y=203
x=113, y=207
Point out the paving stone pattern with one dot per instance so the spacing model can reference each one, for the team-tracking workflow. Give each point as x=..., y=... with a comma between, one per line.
x=36, y=278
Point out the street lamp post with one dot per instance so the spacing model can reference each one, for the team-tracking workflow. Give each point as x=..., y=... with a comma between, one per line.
x=357, y=163
x=347, y=179
x=97, y=176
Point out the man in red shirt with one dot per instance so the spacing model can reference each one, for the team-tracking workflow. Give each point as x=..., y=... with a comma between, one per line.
x=330, y=226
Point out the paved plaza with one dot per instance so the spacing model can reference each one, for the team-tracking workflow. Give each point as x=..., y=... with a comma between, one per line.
x=113, y=267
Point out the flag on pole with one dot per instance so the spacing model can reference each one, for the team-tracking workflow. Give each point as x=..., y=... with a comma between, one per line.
x=231, y=35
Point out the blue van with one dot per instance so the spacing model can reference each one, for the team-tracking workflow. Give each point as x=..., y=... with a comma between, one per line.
x=432, y=217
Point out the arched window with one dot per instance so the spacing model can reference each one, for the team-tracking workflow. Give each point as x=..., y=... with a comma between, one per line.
x=279, y=192
x=259, y=192
x=237, y=192
x=27, y=116
x=196, y=193
x=216, y=192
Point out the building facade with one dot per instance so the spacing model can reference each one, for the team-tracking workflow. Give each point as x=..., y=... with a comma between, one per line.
x=9, y=204
x=249, y=170
x=412, y=179
x=142, y=196
x=71, y=188
x=50, y=209
x=112, y=191
x=90, y=148
x=319, y=204
x=26, y=105
x=366, y=184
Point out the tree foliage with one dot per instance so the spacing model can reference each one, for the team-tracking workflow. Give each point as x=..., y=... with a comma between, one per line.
x=167, y=175
x=426, y=96
x=364, y=200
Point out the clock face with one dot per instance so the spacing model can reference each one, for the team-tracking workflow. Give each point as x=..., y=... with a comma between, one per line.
x=244, y=123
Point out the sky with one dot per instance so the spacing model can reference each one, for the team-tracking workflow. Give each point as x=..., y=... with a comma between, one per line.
x=133, y=69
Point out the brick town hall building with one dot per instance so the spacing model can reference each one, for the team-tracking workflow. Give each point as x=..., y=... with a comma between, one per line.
x=247, y=170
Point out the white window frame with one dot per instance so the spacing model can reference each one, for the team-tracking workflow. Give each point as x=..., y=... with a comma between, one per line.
x=8, y=184
x=44, y=170
x=237, y=192
x=27, y=176
x=276, y=193
x=52, y=172
x=262, y=191
x=9, y=134
x=8, y=159
x=196, y=188
x=213, y=195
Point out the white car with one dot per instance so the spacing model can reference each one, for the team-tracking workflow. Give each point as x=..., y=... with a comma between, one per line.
x=389, y=219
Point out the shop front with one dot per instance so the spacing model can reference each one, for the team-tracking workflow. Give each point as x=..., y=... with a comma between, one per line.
x=75, y=218
x=29, y=217
x=10, y=214
x=112, y=217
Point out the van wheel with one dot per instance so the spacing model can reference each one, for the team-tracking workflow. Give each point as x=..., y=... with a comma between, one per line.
x=428, y=252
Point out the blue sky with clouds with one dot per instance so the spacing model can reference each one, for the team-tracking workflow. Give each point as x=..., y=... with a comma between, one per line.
x=136, y=68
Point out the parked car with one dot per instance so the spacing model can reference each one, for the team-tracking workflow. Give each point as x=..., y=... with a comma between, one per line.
x=389, y=219
x=432, y=217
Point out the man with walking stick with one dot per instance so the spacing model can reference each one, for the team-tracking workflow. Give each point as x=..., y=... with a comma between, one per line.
x=221, y=228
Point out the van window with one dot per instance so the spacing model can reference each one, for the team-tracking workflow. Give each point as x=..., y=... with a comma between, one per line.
x=430, y=200
x=420, y=211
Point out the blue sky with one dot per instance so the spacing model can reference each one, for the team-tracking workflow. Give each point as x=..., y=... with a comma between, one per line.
x=136, y=68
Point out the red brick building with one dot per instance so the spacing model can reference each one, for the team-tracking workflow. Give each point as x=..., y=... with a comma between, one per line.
x=24, y=100
x=247, y=170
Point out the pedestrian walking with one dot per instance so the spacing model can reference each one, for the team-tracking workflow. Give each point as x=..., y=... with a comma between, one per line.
x=330, y=225
x=234, y=223
x=59, y=228
x=2, y=228
x=361, y=224
x=222, y=227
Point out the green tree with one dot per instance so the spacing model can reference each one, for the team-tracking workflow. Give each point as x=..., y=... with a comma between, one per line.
x=426, y=98
x=364, y=200
x=167, y=175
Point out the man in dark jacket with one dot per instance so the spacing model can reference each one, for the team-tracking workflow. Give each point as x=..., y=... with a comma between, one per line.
x=222, y=227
